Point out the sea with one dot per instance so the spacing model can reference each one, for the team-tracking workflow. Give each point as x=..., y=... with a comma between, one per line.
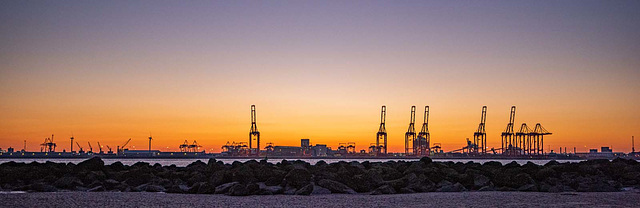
x=185, y=162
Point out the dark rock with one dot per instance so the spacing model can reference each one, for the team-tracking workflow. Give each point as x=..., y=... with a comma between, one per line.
x=178, y=189
x=238, y=190
x=319, y=190
x=110, y=184
x=384, y=189
x=298, y=178
x=224, y=188
x=206, y=188
x=273, y=189
x=528, y=188
x=41, y=187
x=457, y=187
x=94, y=163
x=406, y=191
x=97, y=189
x=488, y=188
x=154, y=188
x=481, y=181
x=426, y=160
x=335, y=187
x=68, y=182
x=305, y=190
x=561, y=188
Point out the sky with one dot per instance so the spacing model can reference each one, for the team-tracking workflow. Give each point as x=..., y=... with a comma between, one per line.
x=107, y=71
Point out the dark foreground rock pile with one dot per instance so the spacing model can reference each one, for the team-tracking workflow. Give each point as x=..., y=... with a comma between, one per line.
x=301, y=178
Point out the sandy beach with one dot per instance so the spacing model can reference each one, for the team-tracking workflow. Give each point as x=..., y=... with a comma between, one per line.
x=458, y=199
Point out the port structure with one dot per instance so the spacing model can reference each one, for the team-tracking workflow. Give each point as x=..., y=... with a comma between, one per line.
x=421, y=144
x=507, y=135
x=48, y=145
x=537, y=137
x=121, y=150
x=523, y=142
x=410, y=136
x=254, y=134
x=382, y=134
x=80, y=148
x=236, y=148
x=480, y=136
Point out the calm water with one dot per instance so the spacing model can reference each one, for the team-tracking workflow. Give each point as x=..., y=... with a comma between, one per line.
x=185, y=162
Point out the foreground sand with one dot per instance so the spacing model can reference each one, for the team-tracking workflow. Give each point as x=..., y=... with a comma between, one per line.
x=435, y=199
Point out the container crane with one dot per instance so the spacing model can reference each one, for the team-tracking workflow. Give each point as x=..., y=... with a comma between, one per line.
x=507, y=135
x=480, y=136
x=382, y=134
x=254, y=134
x=424, y=138
x=410, y=136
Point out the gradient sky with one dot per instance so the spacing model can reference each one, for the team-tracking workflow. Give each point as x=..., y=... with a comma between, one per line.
x=112, y=70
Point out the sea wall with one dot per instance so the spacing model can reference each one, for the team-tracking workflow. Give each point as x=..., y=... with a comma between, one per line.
x=301, y=178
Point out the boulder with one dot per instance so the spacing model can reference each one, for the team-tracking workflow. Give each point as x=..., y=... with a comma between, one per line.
x=480, y=180
x=224, y=188
x=457, y=187
x=155, y=188
x=238, y=190
x=305, y=190
x=319, y=190
x=206, y=188
x=384, y=189
x=180, y=189
x=41, y=187
x=488, y=188
x=298, y=178
x=97, y=189
x=528, y=188
x=94, y=163
x=335, y=187
x=68, y=182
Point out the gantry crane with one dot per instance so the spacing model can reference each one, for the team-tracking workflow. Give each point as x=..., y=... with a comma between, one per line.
x=538, y=138
x=507, y=135
x=254, y=134
x=382, y=134
x=90, y=148
x=424, y=138
x=184, y=147
x=411, y=132
x=48, y=145
x=480, y=136
x=523, y=140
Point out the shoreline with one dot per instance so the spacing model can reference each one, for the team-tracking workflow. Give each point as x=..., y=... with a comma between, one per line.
x=462, y=199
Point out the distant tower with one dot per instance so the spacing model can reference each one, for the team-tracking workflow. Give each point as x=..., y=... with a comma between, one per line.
x=150, y=143
x=254, y=134
x=72, y=143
